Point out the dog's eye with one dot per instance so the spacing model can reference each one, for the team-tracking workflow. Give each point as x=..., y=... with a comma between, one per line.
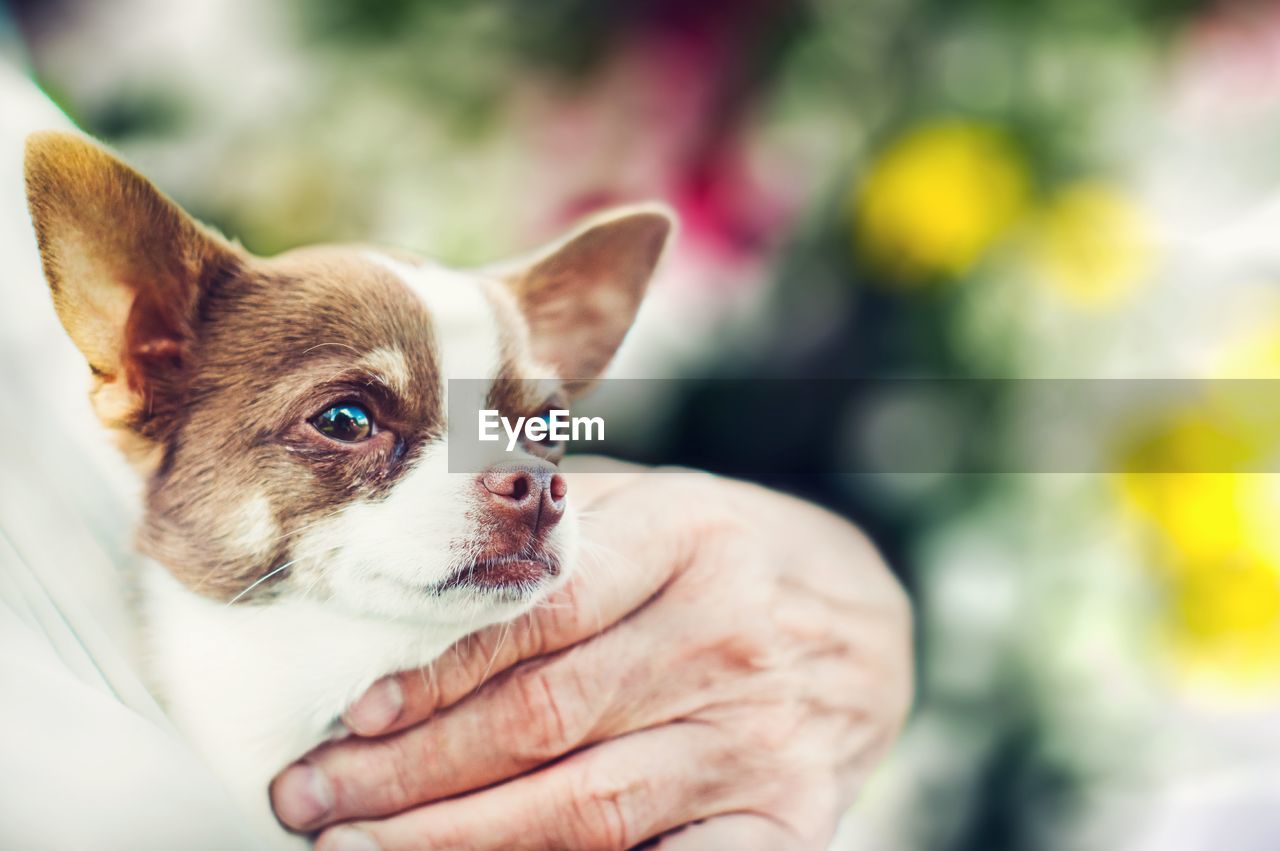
x=346, y=422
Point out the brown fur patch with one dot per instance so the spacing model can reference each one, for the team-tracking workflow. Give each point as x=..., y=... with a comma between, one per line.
x=277, y=344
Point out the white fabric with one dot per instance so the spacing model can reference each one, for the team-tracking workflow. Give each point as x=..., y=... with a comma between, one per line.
x=87, y=758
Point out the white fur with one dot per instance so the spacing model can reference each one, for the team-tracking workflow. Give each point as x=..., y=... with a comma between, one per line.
x=255, y=687
x=390, y=367
x=258, y=685
x=468, y=329
x=255, y=526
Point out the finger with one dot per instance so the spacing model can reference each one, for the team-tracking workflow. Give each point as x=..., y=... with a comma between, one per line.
x=739, y=831
x=630, y=678
x=612, y=796
x=632, y=544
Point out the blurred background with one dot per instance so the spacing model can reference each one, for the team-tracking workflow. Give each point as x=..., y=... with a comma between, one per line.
x=868, y=188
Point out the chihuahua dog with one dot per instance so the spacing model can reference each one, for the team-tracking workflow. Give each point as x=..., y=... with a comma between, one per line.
x=303, y=534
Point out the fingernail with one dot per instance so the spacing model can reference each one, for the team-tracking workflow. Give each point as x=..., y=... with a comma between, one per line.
x=377, y=709
x=302, y=795
x=347, y=839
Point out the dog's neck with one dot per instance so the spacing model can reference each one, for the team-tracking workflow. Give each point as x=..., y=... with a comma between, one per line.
x=255, y=687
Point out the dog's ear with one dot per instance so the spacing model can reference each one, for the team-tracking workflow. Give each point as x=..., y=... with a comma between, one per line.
x=126, y=268
x=580, y=295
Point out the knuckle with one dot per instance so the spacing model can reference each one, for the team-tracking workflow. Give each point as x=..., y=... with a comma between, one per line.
x=719, y=564
x=701, y=501
x=746, y=650
x=401, y=785
x=718, y=526
x=772, y=728
x=780, y=727
x=377, y=775
x=550, y=714
x=602, y=809
x=733, y=646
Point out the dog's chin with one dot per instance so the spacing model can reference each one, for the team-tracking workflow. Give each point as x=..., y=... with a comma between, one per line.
x=492, y=582
x=473, y=595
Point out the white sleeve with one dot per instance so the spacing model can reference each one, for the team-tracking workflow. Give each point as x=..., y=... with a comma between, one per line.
x=80, y=768
x=87, y=758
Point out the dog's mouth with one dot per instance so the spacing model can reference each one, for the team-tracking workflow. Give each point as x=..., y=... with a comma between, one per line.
x=506, y=573
x=510, y=577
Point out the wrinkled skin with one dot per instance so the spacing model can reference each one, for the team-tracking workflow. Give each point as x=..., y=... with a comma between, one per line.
x=724, y=672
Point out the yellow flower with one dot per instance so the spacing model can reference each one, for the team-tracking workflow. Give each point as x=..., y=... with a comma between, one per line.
x=1218, y=569
x=1223, y=622
x=1092, y=244
x=1197, y=514
x=937, y=198
x=1217, y=553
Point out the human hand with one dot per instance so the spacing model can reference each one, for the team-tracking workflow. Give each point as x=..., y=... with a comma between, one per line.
x=723, y=672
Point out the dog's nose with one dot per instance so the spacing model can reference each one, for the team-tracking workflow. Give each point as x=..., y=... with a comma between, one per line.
x=532, y=494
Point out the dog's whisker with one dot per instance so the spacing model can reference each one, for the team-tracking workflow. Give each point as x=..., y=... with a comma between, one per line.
x=213, y=571
x=337, y=344
x=497, y=649
x=305, y=526
x=261, y=580
x=598, y=557
x=428, y=675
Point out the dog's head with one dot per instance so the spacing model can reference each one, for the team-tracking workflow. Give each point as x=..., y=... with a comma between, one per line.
x=290, y=413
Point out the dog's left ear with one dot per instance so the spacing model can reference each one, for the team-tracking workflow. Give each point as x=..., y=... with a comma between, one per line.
x=127, y=268
x=580, y=295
